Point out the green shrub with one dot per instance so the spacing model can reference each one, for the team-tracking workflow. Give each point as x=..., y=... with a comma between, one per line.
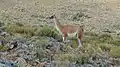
x=115, y=52
x=79, y=16
x=38, y=42
x=105, y=38
x=29, y=31
x=91, y=34
x=105, y=47
x=1, y=47
x=49, y=32
x=114, y=42
x=95, y=43
x=81, y=59
x=74, y=43
x=94, y=38
x=64, y=57
x=14, y=28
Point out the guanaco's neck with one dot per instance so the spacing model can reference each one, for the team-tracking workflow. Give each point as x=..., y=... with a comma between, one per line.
x=57, y=24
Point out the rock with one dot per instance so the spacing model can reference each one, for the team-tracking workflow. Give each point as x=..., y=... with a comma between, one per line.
x=28, y=57
x=12, y=45
x=21, y=49
x=52, y=39
x=18, y=48
x=4, y=63
x=72, y=65
x=53, y=46
x=51, y=49
x=4, y=34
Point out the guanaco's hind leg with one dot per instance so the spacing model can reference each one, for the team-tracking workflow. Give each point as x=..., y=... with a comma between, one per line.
x=79, y=36
x=63, y=39
x=79, y=43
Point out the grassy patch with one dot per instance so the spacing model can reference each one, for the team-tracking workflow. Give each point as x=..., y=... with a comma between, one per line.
x=75, y=58
x=29, y=31
x=98, y=43
x=2, y=48
x=105, y=38
x=94, y=38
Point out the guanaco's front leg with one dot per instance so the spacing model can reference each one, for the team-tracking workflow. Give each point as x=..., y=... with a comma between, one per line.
x=64, y=37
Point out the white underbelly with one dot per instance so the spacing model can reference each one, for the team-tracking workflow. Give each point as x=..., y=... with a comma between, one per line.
x=72, y=34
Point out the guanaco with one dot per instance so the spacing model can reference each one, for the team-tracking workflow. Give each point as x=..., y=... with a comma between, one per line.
x=68, y=30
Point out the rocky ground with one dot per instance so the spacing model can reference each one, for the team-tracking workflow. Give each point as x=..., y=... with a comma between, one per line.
x=28, y=39
x=19, y=52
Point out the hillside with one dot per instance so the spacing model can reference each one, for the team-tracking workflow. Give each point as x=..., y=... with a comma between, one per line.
x=24, y=23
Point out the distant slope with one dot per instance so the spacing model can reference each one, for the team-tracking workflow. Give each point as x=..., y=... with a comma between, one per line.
x=104, y=13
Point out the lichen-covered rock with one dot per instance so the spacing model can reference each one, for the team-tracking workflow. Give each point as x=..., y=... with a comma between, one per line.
x=5, y=63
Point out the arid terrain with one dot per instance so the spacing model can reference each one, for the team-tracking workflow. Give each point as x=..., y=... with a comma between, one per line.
x=23, y=23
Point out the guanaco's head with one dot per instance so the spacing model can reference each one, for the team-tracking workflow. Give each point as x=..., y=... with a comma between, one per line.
x=51, y=17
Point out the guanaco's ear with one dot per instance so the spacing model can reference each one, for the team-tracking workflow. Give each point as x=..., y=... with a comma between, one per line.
x=51, y=17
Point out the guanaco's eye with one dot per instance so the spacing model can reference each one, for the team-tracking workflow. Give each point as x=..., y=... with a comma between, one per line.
x=51, y=17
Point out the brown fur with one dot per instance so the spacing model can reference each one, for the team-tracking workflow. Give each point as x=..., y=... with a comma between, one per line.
x=65, y=29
